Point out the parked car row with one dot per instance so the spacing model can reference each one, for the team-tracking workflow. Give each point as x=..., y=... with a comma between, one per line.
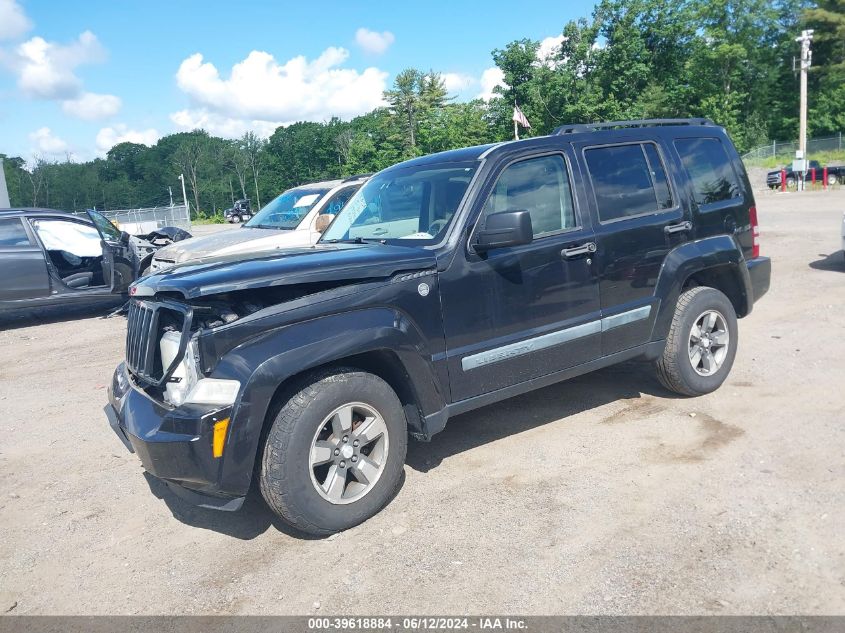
x=301, y=351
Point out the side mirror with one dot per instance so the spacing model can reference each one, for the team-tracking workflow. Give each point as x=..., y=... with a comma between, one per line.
x=124, y=237
x=508, y=228
x=323, y=221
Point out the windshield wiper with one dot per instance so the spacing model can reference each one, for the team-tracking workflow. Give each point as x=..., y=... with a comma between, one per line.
x=266, y=226
x=357, y=240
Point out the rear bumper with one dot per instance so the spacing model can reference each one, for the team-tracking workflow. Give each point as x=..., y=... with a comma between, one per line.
x=760, y=273
x=173, y=444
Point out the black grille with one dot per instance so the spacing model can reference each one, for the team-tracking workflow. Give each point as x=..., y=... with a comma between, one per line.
x=146, y=321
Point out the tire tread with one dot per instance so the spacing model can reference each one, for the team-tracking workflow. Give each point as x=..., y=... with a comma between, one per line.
x=668, y=372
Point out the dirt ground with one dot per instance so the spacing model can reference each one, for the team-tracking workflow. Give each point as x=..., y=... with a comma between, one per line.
x=601, y=495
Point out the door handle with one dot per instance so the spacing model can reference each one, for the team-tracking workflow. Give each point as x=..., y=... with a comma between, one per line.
x=680, y=227
x=379, y=231
x=581, y=249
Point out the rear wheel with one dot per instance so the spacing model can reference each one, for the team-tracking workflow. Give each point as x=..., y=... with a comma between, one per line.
x=831, y=179
x=701, y=345
x=335, y=452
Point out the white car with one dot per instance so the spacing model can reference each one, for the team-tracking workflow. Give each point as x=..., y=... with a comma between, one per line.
x=288, y=221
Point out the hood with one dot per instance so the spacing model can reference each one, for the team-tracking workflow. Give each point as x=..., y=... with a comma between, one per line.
x=243, y=240
x=321, y=263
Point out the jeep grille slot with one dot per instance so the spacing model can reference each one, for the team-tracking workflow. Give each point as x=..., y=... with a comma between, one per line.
x=146, y=321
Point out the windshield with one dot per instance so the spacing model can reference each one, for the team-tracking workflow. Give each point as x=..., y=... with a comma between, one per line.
x=287, y=210
x=414, y=204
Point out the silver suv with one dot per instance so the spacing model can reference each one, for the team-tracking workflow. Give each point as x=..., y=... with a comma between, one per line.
x=288, y=221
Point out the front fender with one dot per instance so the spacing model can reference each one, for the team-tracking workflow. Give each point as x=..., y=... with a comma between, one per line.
x=263, y=363
x=694, y=257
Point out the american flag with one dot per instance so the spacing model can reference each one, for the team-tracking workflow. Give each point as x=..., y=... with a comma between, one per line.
x=519, y=117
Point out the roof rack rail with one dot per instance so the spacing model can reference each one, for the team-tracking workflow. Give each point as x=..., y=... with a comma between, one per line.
x=356, y=177
x=589, y=127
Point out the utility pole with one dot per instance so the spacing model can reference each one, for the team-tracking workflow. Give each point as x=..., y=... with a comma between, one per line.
x=184, y=195
x=170, y=191
x=806, y=61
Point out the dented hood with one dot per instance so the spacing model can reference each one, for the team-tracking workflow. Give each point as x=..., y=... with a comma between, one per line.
x=242, y=240
x=321, y=263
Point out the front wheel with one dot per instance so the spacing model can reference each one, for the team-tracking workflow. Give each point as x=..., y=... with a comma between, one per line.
x=701, y=345
x=831, y=179
x=335, y=452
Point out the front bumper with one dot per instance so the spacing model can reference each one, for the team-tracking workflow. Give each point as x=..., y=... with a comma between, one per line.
x=760, y=272
x=173, y=444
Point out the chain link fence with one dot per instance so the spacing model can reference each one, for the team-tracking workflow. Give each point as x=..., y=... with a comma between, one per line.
x=786, y=150
x=142, y=221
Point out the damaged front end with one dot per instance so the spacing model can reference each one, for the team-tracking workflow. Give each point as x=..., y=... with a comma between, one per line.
x=165, y=335
x=192, y=393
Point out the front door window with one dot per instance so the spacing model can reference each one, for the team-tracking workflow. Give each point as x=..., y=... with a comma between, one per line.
x=75, y=251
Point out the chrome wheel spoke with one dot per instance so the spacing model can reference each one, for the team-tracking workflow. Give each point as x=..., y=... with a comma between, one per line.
x=695, y=335
x=695, y=356
x=335, y=483
x=371, y=428
x=321, y=453
x=710, y=322
x=365, y=470
x=342, y=421
x=707, y=362
x=719, y=338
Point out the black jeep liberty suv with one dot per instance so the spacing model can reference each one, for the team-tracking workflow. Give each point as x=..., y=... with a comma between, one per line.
x=448, y=282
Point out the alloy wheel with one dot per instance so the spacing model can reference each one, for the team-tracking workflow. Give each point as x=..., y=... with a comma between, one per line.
x=348, y=453
x=709, y=342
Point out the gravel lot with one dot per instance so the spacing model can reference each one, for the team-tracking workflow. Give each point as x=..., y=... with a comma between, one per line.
x=600, y=495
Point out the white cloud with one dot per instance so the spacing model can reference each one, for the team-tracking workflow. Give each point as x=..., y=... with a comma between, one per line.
x=491, y=78
x=13, y=20
x=457, y=82
x=108, y=137
x=373, y=41
x=260, y=91
x=46, y=143
x=549, y=49
x=91, y=106
x=221, y=125
x=46, y=69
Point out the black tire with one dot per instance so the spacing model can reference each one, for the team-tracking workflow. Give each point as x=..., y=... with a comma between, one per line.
x=236, y=219
x=831, y=179
x=285, y=477
x=674, y=369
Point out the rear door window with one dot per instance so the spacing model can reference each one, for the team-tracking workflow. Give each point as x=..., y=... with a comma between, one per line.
x=628, y=180
x=12, y=233
x=709, y=169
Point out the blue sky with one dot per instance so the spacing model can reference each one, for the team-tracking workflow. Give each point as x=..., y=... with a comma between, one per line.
x=77, y=79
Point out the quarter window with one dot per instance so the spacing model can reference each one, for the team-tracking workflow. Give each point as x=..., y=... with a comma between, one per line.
x=540, y=186
x=709, y=169
x=628, y=180
x=12, y=233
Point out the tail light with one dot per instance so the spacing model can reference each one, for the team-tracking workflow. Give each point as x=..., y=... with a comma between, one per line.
x=755, y=232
